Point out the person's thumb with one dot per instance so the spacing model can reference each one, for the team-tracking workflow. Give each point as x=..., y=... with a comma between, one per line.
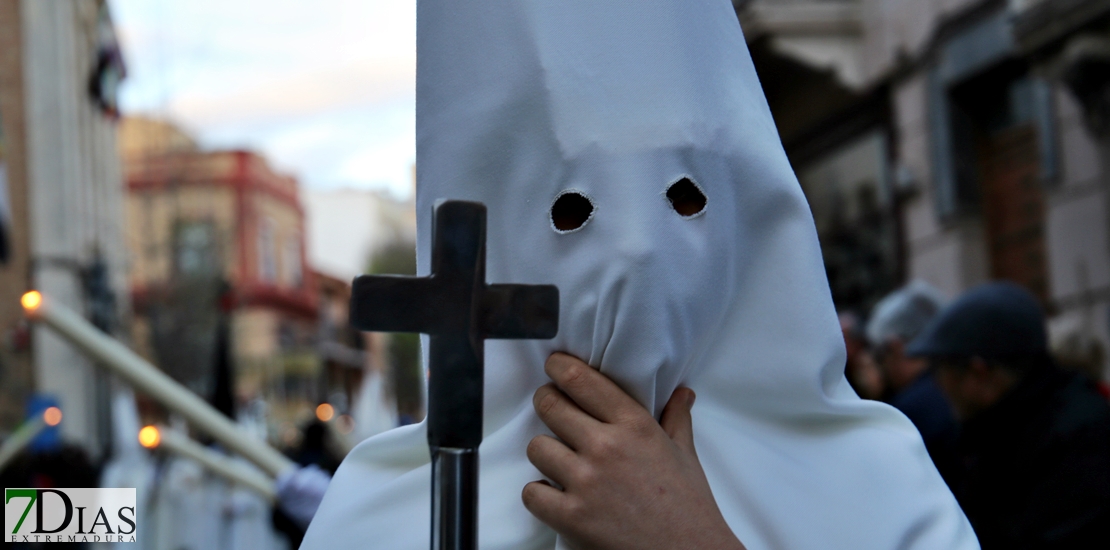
x=676, y=419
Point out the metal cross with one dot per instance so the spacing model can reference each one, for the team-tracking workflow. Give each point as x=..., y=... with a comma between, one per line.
x=458, y=311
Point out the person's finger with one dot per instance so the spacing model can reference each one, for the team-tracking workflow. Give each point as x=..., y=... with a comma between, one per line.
x=676, y=420
x=563, y=416
x=545, y=502
x=552, y=458
x=594, y=392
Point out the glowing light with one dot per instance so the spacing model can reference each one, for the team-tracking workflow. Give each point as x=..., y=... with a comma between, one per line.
x=150, y=437
x=31, y=300
x=52, y=416
x=324, y=412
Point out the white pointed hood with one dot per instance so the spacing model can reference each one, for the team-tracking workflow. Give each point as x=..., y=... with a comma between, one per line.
x=519, y=101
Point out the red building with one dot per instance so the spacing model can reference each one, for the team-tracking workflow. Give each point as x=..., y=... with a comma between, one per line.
x=216, y=240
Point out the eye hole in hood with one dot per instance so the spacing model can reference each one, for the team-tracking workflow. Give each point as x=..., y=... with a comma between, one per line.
x=686, y=198
x=570, y=211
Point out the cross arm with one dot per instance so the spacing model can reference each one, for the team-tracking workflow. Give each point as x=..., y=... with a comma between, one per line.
x=393, y=303
x=520, y=311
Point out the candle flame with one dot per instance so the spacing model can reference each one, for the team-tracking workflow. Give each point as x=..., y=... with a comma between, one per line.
x=31, y=300
x=150, y=437
x=325, y=412
x=52, y=416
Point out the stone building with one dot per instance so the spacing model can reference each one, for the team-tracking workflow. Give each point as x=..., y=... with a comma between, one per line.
x=61, y=203
x=954, y=141
x=218, y=273
x=368, y=220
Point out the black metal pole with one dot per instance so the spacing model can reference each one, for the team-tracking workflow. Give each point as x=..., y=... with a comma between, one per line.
x=454, y=499
x=454, y=433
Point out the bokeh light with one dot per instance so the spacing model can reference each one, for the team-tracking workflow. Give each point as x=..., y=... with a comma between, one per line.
x=325, y=412
x=52, y=416
x=31, y=300
x=150, y=437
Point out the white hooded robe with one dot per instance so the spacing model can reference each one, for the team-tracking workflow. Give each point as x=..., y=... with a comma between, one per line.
x=519, y=101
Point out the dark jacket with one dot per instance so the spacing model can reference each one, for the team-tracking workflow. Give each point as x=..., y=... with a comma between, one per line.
x=1034, y=469
x=924, y=403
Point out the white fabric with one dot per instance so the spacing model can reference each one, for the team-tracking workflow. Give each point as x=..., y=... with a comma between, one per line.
x=374, y=411
x=519, y=100
x=299, y=492
x=130, y=465
x=186, y=510
x=247, y=522
x=191, y=509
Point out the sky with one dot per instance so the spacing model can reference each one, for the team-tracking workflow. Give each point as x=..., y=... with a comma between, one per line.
x=324, y=88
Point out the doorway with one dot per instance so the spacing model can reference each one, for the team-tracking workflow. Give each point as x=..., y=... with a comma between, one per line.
x=998, y=160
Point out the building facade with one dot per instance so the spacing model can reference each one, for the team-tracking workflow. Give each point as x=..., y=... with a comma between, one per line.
x=369, y=221
x=61, y=204
x=218, y=273
x=940, y=140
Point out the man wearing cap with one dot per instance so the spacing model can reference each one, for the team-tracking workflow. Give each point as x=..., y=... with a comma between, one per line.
x=1034, y=449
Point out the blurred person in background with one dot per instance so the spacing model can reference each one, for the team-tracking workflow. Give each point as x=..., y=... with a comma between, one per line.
x=860, y=369
x=314, y=448
x=910, y=387
x=1034, y=447
x=1080, y=352
x=64, y=465
x=61, y=465
x=48, y=461
x=300, y=491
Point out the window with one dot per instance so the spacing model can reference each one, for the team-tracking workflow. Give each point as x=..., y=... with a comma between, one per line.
x=847, y=190
x=195, y=250
x=978, y=86
x=267, y=253
x=291, y=257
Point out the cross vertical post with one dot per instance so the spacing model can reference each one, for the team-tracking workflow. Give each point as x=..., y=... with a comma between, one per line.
x=458, y=311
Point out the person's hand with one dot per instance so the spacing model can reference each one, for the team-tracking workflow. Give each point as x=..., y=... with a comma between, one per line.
x=628, y=482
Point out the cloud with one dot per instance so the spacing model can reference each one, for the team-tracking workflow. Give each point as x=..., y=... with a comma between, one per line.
x=325, y=88
x=300, y=94
x=353, y=147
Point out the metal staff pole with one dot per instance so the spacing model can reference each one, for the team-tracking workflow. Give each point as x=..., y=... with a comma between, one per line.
x=454, y=498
